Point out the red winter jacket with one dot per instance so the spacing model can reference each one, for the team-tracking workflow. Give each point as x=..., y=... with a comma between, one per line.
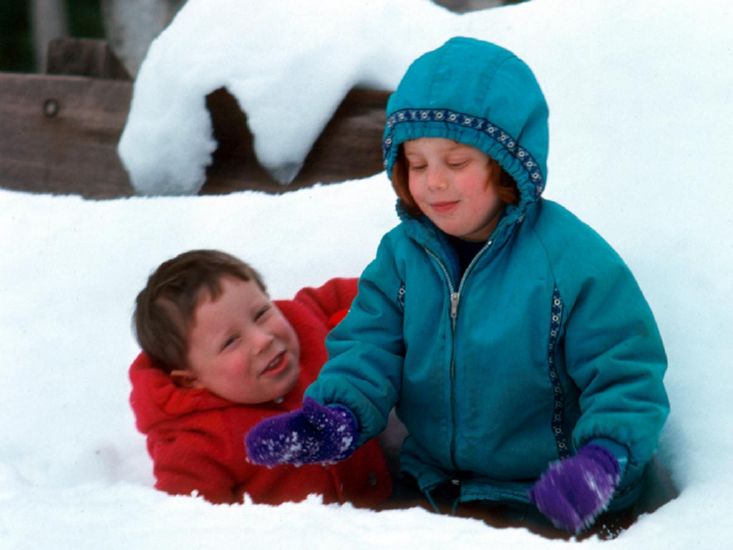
x=196, y=439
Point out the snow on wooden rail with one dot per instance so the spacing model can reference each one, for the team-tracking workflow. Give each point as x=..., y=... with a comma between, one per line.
x=59, y=131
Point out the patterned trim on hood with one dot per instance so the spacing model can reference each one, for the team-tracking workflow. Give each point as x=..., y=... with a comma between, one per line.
x=461, y=120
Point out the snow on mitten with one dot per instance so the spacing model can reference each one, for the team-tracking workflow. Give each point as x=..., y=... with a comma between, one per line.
x=312, y=434
x=572, y=492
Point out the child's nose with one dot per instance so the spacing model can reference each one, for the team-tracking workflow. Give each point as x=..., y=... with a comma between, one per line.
x=261, y=340
x=435, y=179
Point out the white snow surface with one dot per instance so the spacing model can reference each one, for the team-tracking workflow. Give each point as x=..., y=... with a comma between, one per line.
x=641, y=133
x=288, y=63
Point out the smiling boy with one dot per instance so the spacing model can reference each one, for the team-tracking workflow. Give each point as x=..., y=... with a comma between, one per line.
x=240, y=346
x=219, y=356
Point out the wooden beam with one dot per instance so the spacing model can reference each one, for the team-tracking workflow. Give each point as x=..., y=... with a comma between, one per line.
x=60, y=133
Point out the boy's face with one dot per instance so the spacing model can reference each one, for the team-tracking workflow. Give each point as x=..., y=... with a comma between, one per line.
x=240, y=346
x=455, y=186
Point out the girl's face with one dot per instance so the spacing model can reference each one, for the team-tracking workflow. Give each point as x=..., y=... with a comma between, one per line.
x=455, y=186
x=240, y=346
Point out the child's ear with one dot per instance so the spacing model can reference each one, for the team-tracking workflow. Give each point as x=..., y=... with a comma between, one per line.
x=185, y=378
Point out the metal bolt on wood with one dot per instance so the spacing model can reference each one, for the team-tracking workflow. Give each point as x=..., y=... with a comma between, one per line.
x=51, y=108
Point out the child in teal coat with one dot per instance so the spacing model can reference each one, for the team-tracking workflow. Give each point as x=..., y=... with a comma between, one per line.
x=513, y=341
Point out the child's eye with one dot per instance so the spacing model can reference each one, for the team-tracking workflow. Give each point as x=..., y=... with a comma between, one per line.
x=458, y=163
x=416, y=163
x=229, y=342
x=261, y=313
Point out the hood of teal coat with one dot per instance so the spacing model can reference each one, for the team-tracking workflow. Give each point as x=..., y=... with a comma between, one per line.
x=479, y=94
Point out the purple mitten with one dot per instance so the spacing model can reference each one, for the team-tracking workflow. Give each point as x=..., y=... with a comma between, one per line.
x=312, y=434
x=572, y=492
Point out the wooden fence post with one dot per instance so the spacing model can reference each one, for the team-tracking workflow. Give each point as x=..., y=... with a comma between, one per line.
x=49, y=21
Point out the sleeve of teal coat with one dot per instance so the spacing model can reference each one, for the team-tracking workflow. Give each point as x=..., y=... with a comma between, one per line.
x=366, y=350
x=615, y=356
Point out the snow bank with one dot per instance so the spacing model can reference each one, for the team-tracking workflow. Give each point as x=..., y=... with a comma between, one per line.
x=641, y=132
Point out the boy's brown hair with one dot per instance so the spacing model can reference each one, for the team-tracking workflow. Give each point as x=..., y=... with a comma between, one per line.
x=165, y=308
x=506, y=189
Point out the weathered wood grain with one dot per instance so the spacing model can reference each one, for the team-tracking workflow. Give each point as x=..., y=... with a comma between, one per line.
x=58, y=134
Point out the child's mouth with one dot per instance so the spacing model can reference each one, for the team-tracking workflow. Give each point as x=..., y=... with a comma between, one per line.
x=277, y=365
x=444, y=207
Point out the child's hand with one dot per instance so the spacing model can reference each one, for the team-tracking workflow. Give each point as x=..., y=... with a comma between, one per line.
x=572, y=492
x=311, y=434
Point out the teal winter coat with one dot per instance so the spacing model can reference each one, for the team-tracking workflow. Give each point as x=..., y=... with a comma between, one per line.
x=542, y=345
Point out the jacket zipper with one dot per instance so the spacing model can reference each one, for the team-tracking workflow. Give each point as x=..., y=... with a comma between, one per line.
x=455, y=298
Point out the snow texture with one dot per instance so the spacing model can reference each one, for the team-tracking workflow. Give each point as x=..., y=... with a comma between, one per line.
x=641, y=133
x=288, y=63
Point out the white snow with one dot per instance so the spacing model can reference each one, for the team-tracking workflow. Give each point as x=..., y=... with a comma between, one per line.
x=288, y=63
x=642, y=126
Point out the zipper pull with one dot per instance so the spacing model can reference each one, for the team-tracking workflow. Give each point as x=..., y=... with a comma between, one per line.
x=454, y=297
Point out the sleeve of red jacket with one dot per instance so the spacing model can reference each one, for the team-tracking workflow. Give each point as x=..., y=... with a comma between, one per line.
x=330, y=301
x=183, y=462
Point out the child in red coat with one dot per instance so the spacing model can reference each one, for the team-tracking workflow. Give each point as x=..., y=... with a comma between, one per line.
x=218, y=357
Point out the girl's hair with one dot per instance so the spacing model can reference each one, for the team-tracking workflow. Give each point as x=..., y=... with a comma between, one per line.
x=165, y=308
x=506, y=189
